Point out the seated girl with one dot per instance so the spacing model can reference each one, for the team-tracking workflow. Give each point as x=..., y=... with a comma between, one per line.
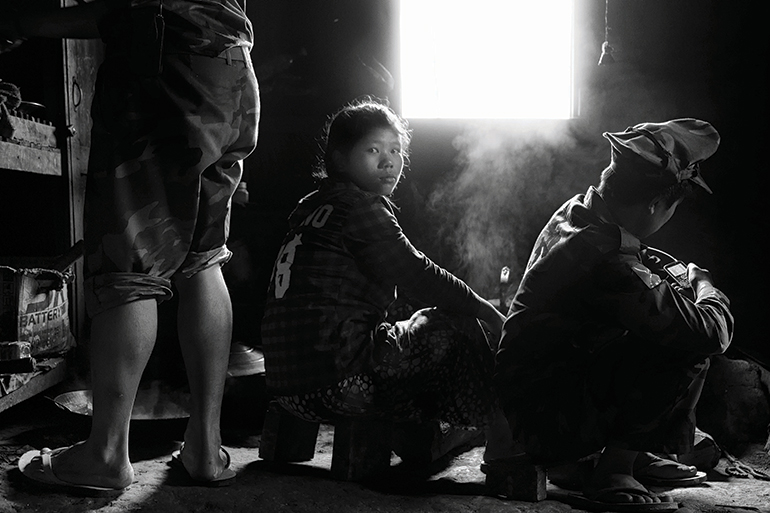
x=331, y=351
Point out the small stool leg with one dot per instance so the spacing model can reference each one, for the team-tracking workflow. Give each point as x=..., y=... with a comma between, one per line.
x=286, y=438
x=361, y=449
x=517, y=481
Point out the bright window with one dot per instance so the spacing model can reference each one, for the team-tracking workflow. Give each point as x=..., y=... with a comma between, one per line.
x=486, y=59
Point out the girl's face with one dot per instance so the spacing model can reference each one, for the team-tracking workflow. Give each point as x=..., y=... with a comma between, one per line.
x=375, y=162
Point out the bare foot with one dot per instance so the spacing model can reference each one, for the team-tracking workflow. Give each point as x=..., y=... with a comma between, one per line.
x=205, y=467
x=648, y=465
x=621, y=489
x=613, y=482
x=78, y=465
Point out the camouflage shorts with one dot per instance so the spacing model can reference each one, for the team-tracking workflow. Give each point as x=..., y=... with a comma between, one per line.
x=166, y=156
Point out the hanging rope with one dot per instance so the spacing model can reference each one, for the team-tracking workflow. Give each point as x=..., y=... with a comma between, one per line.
x=606, y=56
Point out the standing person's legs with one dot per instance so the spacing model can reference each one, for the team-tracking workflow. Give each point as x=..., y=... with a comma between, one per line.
x=220, y=127
x=204, y=318
x=121, y=342
x=154, y=154
x=205, y=327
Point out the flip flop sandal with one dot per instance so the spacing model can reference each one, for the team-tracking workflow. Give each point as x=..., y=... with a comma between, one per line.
x=698, y=478
x=597, y=500
x=226, y=478
x=579, y=501
x=36, y=466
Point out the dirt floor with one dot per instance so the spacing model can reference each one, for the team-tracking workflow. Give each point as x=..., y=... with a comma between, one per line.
x=453, y=485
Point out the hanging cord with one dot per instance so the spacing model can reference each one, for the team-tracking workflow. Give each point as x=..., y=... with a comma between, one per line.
x=606, y=56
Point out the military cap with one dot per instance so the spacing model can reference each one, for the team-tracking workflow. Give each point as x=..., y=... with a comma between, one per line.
x=674, y=148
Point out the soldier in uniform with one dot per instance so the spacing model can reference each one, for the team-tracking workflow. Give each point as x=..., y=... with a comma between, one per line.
x=598, y=353
x=175, y=112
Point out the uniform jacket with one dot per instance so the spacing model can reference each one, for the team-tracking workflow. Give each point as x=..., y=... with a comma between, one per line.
x=586, y=286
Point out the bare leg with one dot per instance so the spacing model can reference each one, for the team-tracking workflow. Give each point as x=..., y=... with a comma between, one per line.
x=121, y=342
x=205, y=329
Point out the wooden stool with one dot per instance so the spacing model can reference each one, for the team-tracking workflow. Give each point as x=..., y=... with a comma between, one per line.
x=517, y=480
x=426, y=442
x=362, y=447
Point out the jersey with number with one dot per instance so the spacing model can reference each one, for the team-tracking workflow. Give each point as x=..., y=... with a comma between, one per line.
x=334, y=278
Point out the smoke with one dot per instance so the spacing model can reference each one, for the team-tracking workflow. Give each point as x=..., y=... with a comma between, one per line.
x=511, y=176
x=509, y=179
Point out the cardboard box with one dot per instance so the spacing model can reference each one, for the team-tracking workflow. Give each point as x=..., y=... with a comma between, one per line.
x=34, y=308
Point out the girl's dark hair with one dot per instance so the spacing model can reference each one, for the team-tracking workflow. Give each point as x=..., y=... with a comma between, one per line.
x=354, y=121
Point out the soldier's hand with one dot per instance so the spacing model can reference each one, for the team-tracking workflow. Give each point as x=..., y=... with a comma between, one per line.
x=698, y=278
